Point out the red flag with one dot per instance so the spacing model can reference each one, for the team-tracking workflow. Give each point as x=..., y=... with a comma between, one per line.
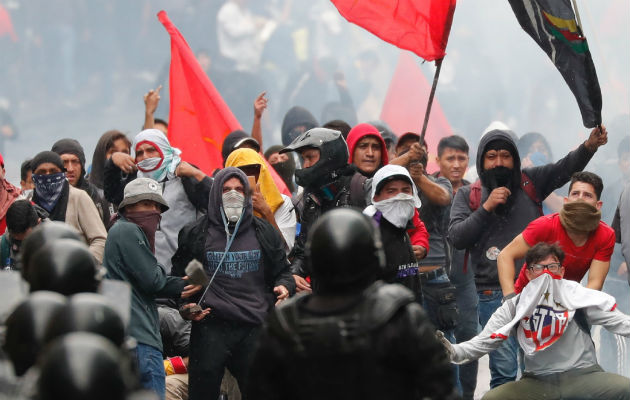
x=6, y=26
x=407, y=90
x=199, y=119
x=421, y=26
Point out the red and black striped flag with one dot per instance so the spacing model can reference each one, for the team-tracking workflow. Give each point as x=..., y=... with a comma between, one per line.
x=552, y=24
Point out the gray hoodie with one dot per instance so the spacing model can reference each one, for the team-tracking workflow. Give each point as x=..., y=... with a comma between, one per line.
x=485, y=233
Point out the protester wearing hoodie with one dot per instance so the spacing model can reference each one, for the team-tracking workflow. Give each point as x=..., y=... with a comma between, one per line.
x=66, y=203
x=268, y=202
x=237, y=140
x=489, y=213
x=296, y=121
x=73, y=157
x=367, y=149
x=246, y=280
x=184, y=187
x=283, y=164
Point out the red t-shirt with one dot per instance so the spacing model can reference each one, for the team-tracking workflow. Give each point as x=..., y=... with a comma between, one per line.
x=577, y=260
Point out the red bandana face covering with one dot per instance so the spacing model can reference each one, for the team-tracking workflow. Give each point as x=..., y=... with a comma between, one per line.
x=148, y=221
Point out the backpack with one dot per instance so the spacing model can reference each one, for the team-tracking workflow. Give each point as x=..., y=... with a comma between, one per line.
x=474, y=201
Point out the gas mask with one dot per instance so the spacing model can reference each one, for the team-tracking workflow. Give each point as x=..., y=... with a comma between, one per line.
x=233, y=202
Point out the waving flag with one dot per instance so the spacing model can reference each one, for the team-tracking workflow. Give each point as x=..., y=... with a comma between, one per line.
x=199, y=119
x=552, y=24
x=421, y=26
x=407, y=89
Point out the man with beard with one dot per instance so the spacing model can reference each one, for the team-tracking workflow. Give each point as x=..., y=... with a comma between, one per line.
x=130, y=257
x=73, y=158
x=586, y=240
x=489, y=213
x=65, y=203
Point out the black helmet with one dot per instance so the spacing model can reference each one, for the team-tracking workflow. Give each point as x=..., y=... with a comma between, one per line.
x=42, y=234
x=26, y=327
x=87, y=312
x=65, y=266
x=345, y=251
x=333, y=156
x=81, y=366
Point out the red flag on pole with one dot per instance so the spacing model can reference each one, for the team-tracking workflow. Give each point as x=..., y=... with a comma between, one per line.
x=407, y=89
x=199, y=119
x=421, y=26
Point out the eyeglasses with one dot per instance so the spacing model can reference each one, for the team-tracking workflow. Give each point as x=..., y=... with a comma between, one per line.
x=552, y=267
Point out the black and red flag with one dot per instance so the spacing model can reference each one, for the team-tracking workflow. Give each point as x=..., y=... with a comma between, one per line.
x=552, y=24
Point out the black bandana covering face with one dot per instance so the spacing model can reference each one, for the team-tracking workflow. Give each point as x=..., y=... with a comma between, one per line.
x=49, y=188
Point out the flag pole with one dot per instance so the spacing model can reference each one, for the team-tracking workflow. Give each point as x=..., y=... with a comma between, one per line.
x=438, y=64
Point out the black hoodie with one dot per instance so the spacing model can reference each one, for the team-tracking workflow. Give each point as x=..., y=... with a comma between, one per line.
x=485, y=233
x=242, y=289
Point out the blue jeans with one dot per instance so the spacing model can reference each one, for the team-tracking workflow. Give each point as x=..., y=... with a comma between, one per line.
x=151, y=368
x=431, y=308
x=504, y=360
x=467, y=328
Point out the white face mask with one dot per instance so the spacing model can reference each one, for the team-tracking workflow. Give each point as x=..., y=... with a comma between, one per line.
x=233, y=205
x=398, y=209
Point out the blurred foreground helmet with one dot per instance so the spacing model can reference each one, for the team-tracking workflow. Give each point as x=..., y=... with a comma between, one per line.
x=42, y=234
x=64, y=266
x=26, y=327
x=82, y=366
x=345, y=251
x=333, y=155
x=87, y=312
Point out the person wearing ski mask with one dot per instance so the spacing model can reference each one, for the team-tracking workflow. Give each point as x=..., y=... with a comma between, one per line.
x=65, y=203
x=183, y=186
x=587, y=241
x=489, y=213
x=130, y=257
x=283, y=164
x=244, y=259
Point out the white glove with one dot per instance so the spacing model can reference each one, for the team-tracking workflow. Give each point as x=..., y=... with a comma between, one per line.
x=447, y=345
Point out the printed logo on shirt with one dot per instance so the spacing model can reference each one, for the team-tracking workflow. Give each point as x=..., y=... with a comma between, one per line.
x=545, y=325
x=235, y=264
x=404, y=270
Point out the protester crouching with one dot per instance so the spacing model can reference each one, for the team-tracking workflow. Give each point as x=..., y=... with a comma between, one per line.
x=489, y=213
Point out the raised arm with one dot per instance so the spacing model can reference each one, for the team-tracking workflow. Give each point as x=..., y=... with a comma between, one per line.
x=260, y=104
x=151, y=101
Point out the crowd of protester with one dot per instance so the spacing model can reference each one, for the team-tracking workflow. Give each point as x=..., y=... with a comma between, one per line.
x=331, y=264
